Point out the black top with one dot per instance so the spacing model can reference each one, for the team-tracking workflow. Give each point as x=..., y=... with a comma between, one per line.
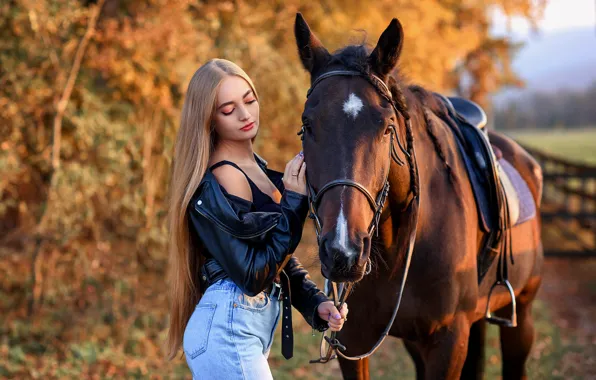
x=261, y=201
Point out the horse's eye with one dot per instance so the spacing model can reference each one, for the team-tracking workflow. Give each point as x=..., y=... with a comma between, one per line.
x=305, y=128
x=306, y=123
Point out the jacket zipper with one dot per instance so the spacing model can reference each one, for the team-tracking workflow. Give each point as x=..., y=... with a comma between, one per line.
x=226, y=229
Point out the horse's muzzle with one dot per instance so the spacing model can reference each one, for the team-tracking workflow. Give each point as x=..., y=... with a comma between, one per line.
x=342, y=259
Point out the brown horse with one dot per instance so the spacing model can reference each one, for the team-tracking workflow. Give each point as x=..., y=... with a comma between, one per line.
x=348, y=126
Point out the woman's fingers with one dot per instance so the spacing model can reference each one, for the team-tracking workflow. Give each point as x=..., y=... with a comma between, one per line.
x=335, y=326
x=291, y=178
x=336, y=318
x=302, y=177
x=287, y=170
x=296, y=167
x=344, y=310
x=290, y=168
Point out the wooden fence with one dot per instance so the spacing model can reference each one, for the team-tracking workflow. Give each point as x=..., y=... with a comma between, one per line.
x=568, y=206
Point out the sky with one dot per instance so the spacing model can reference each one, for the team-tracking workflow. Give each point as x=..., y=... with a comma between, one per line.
x=561, y=54
x=558, y=15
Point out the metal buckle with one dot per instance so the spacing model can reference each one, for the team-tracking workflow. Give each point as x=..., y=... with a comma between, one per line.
x=275, y=287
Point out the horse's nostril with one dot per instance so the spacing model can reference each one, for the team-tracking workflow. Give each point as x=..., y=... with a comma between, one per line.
x=342, y=255
x=364, y=250
x=325, y=251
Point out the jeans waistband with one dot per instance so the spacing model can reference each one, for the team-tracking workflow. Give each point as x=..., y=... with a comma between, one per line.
x=223, y=284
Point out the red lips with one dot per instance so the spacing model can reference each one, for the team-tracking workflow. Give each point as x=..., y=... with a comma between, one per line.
x=248, y=126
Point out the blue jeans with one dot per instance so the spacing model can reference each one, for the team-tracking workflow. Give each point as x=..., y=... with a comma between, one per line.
x=229, y=334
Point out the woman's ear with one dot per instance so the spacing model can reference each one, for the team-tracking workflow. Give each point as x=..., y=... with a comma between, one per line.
x=312, y=52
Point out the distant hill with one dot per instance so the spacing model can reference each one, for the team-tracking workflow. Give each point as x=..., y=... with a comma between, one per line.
x=555, y=60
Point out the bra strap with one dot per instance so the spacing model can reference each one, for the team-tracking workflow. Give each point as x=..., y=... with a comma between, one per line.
x=223, y=162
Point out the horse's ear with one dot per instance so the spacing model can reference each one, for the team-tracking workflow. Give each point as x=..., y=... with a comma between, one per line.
x=385, y=55
x=312, y=52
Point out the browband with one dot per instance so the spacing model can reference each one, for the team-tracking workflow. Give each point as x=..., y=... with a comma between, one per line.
x=375, y=80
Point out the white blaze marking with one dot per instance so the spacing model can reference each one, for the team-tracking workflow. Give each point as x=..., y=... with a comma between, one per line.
x=353, y=105
x=341, y=232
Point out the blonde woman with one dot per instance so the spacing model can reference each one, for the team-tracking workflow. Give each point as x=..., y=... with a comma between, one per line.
x=234, y=225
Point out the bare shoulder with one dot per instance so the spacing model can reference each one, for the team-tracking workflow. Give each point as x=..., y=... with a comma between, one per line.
x=234, y=181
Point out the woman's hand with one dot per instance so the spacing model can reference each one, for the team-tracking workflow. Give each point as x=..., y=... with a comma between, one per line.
x=329, y=312
x=294, y=174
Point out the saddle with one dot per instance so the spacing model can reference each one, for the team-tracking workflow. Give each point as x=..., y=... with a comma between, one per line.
x=503, y=198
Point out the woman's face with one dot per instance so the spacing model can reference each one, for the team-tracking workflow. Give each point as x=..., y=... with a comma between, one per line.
x=237, y=113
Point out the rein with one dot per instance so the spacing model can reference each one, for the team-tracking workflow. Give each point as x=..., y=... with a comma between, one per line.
x=377, y=204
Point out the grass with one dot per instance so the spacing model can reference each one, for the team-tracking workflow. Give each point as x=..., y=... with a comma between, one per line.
x=392, y=361
x=574, y=144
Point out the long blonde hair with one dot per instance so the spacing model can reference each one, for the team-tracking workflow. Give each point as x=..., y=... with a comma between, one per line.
x=194, y=145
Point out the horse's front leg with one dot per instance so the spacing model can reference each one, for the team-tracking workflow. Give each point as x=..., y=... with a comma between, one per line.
x=354, y=369
x=445, y=351
x=358, y=338
x=357, y=342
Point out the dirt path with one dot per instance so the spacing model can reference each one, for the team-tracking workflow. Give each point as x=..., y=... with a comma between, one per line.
x=569, y=291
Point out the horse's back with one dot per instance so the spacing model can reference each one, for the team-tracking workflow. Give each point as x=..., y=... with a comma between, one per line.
x=526, y=165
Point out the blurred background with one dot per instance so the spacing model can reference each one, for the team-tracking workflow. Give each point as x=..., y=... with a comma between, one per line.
x=90, y=99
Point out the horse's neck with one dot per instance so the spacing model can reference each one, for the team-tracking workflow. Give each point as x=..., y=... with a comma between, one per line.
x=430, y=165
x=400, y=178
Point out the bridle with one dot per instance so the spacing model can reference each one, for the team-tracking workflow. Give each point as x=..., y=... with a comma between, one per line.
x=377, y=204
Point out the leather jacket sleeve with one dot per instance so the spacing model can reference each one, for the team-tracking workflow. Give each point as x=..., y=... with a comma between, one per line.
x=306, y=297
x=252, y=262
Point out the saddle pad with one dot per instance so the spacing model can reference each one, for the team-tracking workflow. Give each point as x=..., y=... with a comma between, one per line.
x=519, y=198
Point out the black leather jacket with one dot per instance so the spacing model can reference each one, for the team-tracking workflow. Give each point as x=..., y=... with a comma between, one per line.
x=252, y=247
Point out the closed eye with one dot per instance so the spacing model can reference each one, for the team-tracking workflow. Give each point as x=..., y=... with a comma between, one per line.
x=248, y=102
x=305, y=123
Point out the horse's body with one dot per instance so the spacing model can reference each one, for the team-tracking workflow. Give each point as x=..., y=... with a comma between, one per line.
x=441, y=318
x=442, y=298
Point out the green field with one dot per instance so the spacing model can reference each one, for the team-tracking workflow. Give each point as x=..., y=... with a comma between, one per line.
x=578, y=145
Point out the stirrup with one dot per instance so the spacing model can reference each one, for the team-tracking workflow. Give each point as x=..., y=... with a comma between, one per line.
x=512, y=322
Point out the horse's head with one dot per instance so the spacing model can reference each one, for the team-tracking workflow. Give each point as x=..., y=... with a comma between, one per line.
x=350, y=129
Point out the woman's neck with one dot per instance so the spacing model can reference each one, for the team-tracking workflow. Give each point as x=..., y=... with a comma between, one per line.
x=240, y=152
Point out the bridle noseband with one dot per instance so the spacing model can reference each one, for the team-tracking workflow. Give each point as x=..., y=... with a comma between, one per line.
x=377, y=205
